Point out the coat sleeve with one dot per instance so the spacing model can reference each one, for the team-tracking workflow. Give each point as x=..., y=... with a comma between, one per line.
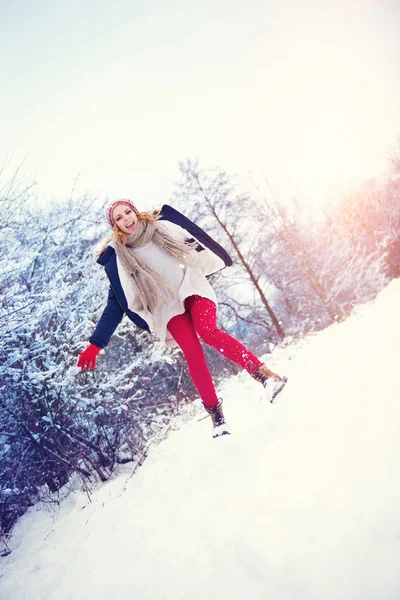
x=203, y=258
x=171, y=215
x=109, y=321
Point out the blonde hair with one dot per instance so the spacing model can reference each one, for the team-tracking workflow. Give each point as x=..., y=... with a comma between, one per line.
x=119, y=236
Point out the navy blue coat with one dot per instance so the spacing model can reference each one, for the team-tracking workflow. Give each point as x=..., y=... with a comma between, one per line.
x=117, y=304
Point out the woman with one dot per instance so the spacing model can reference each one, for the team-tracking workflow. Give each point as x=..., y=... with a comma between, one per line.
x=157, y=265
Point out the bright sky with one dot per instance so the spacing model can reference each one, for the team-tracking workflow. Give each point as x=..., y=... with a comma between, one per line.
x=120, y=92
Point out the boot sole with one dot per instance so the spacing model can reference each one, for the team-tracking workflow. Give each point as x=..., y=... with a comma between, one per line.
x=278, y=390
x=215, y=436
x=220, y=431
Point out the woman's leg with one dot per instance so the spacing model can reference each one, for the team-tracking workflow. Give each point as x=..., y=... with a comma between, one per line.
x=183, y=332
x=204, y=317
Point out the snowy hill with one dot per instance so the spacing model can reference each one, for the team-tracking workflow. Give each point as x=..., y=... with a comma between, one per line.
x=301, y=502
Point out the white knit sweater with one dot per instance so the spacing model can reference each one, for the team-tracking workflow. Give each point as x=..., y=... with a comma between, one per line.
x=185, y=280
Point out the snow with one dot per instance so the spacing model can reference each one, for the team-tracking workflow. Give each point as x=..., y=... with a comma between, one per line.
x=301, y=502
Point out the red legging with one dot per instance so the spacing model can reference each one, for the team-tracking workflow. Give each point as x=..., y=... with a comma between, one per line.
x=199, y=319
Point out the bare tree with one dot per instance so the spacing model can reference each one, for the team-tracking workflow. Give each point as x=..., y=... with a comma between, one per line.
x=214, y=202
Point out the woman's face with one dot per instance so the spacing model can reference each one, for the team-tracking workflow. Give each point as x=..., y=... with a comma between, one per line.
x=125, y=218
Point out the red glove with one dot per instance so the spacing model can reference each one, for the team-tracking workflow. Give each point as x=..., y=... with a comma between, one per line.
x=87, y=359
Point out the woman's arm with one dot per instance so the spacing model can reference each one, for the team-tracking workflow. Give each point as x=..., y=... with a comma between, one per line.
x=109, y=321
x=203, y=258
x=171, y=215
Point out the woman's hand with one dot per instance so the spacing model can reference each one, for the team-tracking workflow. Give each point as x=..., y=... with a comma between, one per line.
x=87, y=359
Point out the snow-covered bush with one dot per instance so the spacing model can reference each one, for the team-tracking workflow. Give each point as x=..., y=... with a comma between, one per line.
x=56, y=420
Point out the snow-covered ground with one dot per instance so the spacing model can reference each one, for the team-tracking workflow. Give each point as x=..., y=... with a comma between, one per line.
x=301, y=502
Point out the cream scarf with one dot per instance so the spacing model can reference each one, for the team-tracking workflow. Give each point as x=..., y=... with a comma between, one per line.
x=150, y=287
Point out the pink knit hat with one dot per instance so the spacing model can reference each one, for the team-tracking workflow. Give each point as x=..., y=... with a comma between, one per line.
x=110, y=209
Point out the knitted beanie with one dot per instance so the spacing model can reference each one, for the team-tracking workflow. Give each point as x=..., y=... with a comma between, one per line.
x=110, y=209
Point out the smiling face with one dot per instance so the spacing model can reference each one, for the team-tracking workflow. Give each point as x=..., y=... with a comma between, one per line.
x=125, y=218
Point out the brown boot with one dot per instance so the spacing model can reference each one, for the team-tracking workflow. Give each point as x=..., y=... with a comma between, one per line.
x=273, y=383
x=218, y=420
